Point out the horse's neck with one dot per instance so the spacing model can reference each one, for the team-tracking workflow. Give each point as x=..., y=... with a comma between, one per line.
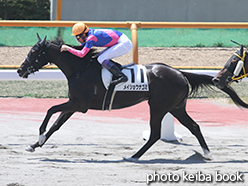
x=69, y=65
x=65, y=68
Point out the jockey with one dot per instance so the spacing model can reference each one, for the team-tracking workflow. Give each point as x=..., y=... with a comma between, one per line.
x=116, y=42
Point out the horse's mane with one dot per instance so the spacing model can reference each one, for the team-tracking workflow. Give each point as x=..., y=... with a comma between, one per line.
x=59, y=42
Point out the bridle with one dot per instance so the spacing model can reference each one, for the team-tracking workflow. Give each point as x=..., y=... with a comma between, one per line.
x=235, y=78
x=42, y=53
x=35, y=64
x=238, y=68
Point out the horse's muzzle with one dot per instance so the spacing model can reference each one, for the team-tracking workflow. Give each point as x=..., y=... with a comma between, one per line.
x=19, y=70
x=216, y=81
x=22, y=74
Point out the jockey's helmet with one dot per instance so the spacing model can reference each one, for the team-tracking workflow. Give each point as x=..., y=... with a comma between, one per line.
x=79, y=28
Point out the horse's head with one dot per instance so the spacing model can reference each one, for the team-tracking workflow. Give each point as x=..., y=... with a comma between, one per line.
x=35, y=59
x=234, y=70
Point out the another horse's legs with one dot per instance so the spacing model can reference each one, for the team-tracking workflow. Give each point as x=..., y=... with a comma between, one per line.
x=194, y=128
x=64, y=116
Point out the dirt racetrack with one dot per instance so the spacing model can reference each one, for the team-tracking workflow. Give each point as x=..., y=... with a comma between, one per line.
x=88, y=149
x=174, y=56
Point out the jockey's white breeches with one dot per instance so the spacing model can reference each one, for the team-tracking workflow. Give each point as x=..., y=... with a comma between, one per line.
x=123, y=46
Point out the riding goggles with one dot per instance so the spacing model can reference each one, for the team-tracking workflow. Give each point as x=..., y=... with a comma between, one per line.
x=78, y=36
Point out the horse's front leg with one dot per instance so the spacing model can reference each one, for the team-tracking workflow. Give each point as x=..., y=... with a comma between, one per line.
x=64, y=116
x=68, y=106
x=58, y=123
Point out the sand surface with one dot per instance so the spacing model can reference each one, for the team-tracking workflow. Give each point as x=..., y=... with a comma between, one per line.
x=88, y=149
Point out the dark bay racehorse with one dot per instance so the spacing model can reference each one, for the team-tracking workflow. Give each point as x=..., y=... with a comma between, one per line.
x=168, y=91
x=235, y=69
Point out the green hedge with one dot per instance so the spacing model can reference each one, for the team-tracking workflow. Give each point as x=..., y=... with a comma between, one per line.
x=164, y=37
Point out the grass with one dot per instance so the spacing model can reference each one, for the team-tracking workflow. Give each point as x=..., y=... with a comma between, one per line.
x=59, y=89
x=200, y=45
x=218, y=44
x=34, y=89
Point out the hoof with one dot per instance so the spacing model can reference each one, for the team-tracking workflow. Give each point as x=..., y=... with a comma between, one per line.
x=29, y=149
x=42, y=139
x=131, y=159
x=207, y=154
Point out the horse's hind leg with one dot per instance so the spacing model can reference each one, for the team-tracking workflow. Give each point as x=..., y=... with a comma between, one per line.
x=64, y=116
x=194, y=128
x=155, y=127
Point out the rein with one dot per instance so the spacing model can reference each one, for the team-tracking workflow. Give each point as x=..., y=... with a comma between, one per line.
x=244, y=72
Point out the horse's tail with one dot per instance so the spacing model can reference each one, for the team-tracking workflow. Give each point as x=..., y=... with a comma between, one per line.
x=197, y=81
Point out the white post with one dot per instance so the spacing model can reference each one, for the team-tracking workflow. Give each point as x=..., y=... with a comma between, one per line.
x=167, y=130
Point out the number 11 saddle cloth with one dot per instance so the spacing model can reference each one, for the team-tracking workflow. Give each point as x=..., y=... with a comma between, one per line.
x=137, y=79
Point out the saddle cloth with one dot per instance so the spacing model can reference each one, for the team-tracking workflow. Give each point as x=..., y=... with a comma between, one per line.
x=137, y=79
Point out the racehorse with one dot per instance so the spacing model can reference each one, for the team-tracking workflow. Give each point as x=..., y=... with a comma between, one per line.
x=168, y=91
x=234, y=70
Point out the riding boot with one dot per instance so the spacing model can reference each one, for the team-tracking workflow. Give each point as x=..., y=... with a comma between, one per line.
x=120, y=77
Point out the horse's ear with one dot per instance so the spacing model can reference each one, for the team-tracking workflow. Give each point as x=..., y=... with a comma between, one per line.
x=241, y=50
x=38, y=36
x=43, y=41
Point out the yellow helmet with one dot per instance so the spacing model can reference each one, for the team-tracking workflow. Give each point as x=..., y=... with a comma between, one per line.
x=79, y=28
